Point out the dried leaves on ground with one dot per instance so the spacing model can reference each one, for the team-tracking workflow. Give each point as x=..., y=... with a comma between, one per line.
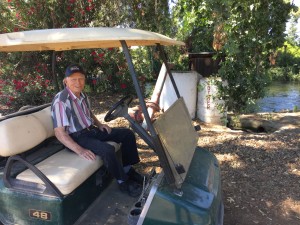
x=260, y=171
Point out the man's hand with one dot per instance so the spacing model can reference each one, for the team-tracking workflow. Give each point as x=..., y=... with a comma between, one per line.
x=103, y=127
x=67, y=141
x=87, y=154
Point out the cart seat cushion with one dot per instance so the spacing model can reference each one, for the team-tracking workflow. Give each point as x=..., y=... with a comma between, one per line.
x=65, y=169
x=21, y=133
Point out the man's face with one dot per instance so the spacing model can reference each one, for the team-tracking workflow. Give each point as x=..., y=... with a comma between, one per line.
x=75, y=83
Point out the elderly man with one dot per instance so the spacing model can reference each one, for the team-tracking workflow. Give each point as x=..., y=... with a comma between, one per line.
x=77, y=128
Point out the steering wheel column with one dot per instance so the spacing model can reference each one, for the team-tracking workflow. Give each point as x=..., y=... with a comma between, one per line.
x=120, y=109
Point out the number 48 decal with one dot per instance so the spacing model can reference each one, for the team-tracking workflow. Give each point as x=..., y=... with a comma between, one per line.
x=38, y=214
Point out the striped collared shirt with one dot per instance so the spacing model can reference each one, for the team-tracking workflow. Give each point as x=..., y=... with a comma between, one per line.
x=71, y=112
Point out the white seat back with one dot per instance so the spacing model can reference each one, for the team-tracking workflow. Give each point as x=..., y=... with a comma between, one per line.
x=21, y=133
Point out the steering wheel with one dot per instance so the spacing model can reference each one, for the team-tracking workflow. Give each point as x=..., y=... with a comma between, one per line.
x=119, y=109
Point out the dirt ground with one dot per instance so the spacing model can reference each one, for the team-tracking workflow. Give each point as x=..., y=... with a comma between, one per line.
x=260, y=171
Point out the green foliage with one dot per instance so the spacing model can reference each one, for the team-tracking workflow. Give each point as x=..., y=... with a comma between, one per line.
x=287, y=67
x=40, y=14
x=288, y=55
x=150, y=15
x=29, y=87
x=106, y=69
x=276, y=73
x=178, y=58
x=195, y=25
x=246, y=32
x=253, y=30
x=284, y=73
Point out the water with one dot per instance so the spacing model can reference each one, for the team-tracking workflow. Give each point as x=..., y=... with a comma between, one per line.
x=280, y=97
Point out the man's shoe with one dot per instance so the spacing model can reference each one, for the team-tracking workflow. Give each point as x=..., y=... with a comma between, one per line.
x=131, y=187
x=135, y=176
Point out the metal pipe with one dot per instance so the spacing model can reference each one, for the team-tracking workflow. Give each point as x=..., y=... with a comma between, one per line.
x=158, y=147
x=164, y=58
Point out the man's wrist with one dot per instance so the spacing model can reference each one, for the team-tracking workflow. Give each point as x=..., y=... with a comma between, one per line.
x=98, y=124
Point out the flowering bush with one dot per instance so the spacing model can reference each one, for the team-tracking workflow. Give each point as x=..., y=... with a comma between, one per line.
x=26, y=78
x=107, y=69
x=25, y=85
x=17, y=93
x=110, y=71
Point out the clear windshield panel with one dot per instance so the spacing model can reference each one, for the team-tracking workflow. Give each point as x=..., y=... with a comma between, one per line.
x=178, y=137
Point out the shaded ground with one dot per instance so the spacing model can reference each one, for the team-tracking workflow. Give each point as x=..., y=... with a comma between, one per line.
x=260, y=172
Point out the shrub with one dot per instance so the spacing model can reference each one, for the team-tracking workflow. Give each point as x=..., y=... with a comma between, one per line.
x=18, y=92
x=283, y=74
x=24, y=85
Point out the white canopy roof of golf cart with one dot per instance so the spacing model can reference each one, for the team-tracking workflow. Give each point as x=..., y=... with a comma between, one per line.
x=80, y=38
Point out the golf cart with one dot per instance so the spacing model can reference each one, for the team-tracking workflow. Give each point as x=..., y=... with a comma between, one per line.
x=41, y=182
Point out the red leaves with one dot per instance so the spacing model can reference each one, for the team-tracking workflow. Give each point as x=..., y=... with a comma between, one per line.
x=19, y=85
x=123, y=86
